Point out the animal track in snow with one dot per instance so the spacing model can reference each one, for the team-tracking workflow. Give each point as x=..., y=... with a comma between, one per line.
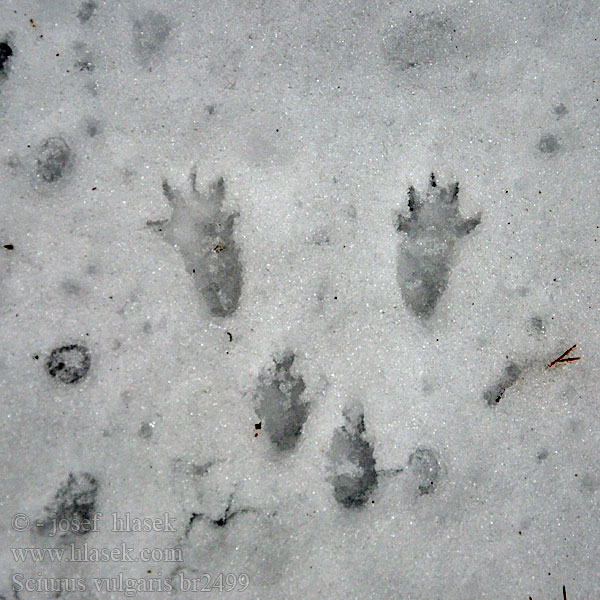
x=426, y=470
x=355, y=477
x=427, y=249
x=280, y=403
x=74, y=504
x=494, y=393
x=203, y=234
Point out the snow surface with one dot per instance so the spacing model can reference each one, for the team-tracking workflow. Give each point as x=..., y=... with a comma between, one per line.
x=220, y=301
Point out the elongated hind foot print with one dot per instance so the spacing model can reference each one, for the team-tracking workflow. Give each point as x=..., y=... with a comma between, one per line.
x=204, y=235
x=428, y=245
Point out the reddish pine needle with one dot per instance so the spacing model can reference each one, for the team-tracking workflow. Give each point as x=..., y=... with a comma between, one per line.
x=562, y=358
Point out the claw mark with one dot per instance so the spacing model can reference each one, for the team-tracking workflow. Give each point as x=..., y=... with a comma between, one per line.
x=193, y=177
x=563, y=357
x=226, y=517
x=168, y=191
